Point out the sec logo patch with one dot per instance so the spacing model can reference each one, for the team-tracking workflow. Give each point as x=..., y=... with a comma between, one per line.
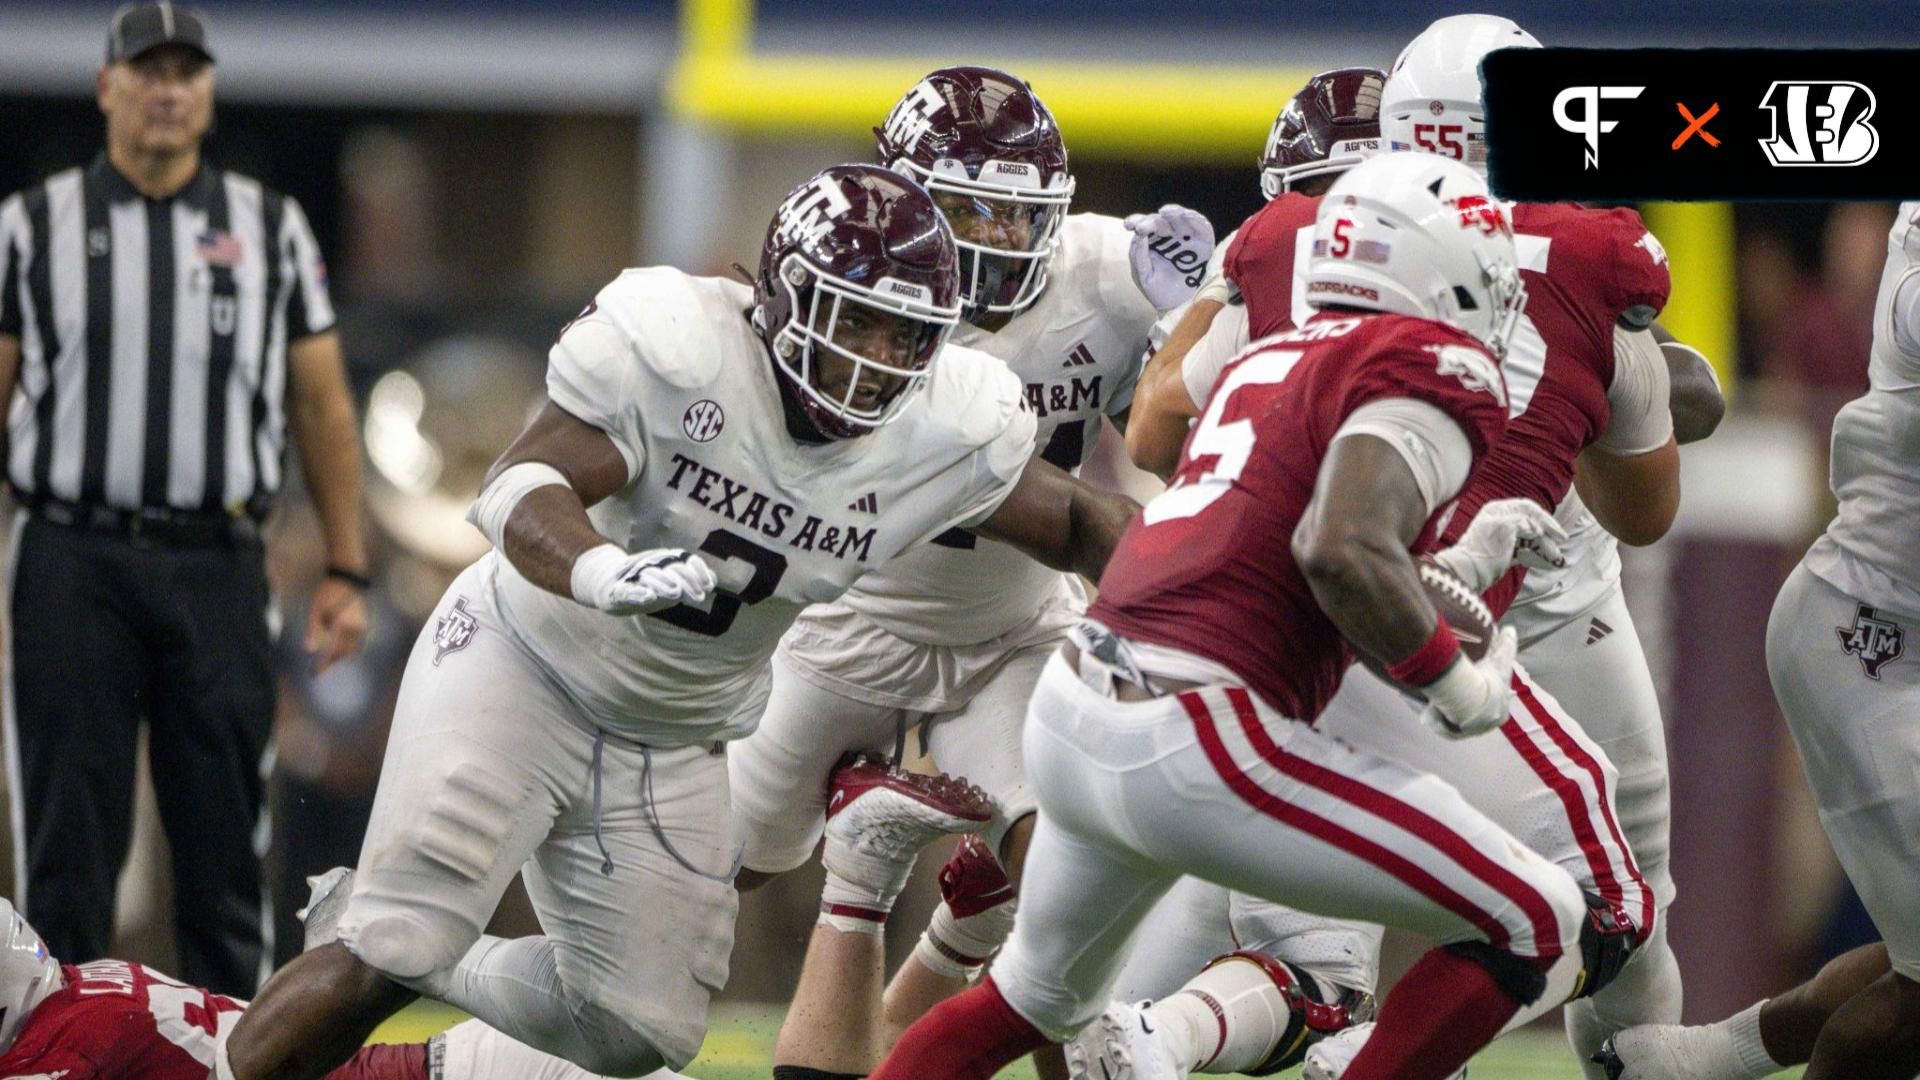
x=703, y=420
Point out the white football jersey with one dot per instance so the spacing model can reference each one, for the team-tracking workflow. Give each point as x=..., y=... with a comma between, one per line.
x=1871, y=551
x=1077, y=352
x=668, y=366
x=1549, y=599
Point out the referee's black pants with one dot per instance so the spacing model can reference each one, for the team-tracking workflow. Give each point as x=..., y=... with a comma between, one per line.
x=107, y=632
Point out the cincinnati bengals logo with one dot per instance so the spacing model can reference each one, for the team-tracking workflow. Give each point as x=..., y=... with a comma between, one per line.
x=1820, y=123
x=1877, y=642
x=1480, y=212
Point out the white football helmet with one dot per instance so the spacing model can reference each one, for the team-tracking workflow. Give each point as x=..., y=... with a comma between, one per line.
x=27, y=973
x=1418, y=235
x=1432, y=98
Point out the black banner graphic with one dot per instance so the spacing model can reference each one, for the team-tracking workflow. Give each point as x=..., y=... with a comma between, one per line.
x=1689, y=124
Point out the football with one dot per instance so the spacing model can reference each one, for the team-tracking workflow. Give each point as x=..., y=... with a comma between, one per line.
x=1457, y=603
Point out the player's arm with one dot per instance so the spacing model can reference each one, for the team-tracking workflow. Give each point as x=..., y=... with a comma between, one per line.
x=9, y=372
x=1162, y=409
x=1060, y=520
x=1371, y=498
x=1694, y=397
x=1630, y=477
x=533, y=507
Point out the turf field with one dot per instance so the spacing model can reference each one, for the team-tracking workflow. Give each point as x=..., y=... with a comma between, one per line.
x=740, y=1046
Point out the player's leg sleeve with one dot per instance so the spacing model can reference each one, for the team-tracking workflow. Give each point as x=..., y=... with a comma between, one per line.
x=779, y=773
x=1858, y=741
x=479, y=754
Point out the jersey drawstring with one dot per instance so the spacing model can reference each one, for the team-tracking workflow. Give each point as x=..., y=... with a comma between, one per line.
x=653, y=817
x=606, y=857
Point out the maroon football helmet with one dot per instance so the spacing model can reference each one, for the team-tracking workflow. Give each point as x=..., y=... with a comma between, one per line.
x=1330, y=126
x=986, y=147
x=862, y=243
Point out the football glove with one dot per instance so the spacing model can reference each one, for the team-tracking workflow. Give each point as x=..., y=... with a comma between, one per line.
x=1169, y=254
x=1473, y=697
x=1505, y=532
x=618, y=583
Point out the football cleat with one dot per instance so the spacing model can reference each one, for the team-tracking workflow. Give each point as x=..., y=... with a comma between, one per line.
x=1330, y=1057
x=325, y=904
x=1122, y=1044
x=1659, y=1051
x=878, y=810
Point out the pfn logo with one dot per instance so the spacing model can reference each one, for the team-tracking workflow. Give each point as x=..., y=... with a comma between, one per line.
x=1820, y=123
x=1589, y=125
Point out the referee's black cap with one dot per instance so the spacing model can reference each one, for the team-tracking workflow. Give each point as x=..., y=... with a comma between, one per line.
x=139, y=27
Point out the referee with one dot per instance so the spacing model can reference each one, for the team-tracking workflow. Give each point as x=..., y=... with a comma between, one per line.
x=163, y=324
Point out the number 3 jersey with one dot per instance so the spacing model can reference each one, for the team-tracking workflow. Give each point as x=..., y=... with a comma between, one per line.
x=669, y=368
x=1208, y=567
x=1077, y=351
x=122, y=1021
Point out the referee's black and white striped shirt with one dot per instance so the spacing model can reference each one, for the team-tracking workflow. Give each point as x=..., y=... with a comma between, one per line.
x=153, y=334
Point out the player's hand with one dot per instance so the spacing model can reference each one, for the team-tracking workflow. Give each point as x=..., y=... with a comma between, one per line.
x=610, y=579
x=1504, y=532
x=1472, y=698
x=1169, y=254
x=336, y=622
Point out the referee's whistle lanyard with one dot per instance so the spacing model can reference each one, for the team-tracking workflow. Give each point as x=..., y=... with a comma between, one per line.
x=653, y=817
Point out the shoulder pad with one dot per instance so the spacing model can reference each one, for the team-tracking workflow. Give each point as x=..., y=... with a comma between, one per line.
x=972, y=395
x=678, y=324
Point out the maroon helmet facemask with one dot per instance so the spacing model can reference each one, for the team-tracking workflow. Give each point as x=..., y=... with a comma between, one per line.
x=1330, y=126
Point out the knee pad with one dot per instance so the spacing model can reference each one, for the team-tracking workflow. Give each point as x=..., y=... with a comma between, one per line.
x=1607, y=939
x=1312, y=1014
x=405, y=948
x=1518, y=977
x=641, y=1036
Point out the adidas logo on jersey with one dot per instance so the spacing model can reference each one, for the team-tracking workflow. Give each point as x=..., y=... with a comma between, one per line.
x=1081, y=356
x=866, y=504
x=1596, y=630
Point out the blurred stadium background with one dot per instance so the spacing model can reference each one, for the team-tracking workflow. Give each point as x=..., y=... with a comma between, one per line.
x=475, y=170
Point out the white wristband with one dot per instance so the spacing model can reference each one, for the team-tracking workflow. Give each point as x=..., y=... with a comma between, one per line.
x=1461, y=690
x=1219, y=290
x=494, y=505
x=592, y=568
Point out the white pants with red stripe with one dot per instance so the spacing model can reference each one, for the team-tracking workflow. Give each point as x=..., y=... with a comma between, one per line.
x=1539, y=775
x=1215, y=784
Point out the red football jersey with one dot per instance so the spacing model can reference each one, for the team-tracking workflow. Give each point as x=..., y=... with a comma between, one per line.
x=115, y=1019
x=1208, y=566
x=1583, y=268
x=1267, y=248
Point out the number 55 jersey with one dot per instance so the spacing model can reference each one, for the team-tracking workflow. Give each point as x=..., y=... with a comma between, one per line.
x=668, y=366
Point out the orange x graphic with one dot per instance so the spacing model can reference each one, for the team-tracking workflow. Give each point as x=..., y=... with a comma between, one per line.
x=1697, y=125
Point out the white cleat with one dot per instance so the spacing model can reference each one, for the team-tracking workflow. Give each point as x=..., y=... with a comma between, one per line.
x=1663, y=1052
x=1122, y=1044
x=878, y=811
x=325, y=904
x=1328, y=1059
